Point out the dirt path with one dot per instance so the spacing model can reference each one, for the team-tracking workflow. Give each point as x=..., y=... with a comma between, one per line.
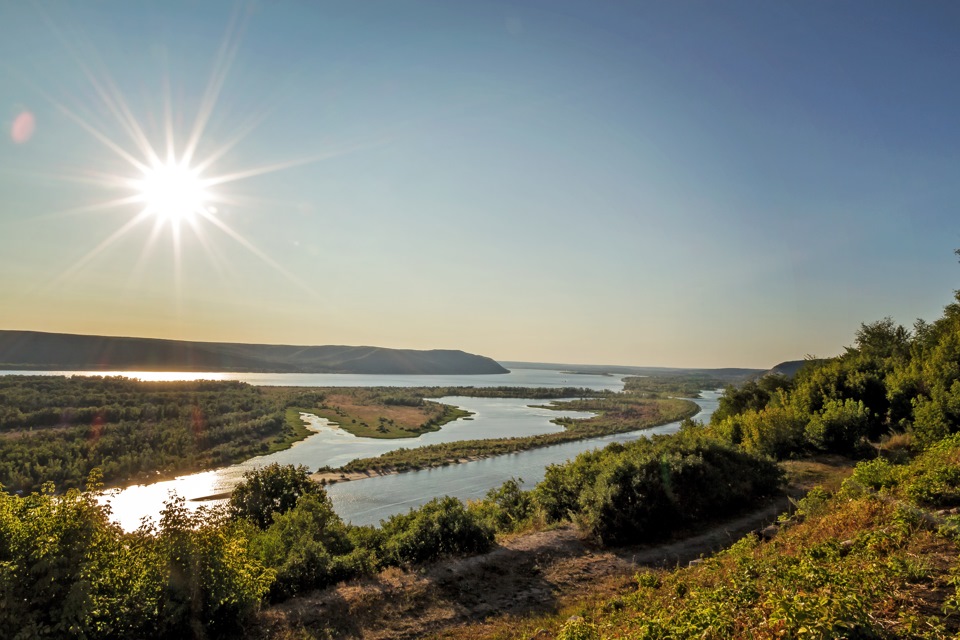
x=527, y=575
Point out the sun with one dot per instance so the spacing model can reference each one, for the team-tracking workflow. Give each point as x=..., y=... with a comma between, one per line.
x=168, y=180
x=172, y=191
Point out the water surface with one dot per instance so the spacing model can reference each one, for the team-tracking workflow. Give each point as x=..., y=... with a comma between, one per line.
x=370, y=500
x=516, y=378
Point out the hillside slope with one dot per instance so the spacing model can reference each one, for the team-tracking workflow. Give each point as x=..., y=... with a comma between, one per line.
x=37, y=350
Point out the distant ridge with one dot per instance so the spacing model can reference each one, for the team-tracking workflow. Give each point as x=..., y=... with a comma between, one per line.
x=791, y=367
x=38, y=350
x=728, y=372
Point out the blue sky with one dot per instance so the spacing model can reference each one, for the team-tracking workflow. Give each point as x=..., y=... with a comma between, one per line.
x=647, y=183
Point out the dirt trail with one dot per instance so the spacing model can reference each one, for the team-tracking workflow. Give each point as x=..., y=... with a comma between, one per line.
x=529, y=574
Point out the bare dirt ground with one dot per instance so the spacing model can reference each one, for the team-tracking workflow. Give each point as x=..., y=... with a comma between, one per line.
x=527, y=575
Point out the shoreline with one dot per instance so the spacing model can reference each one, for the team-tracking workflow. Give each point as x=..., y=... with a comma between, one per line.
x=334, y=476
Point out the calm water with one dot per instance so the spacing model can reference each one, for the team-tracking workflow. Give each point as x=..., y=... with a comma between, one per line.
x=493, y=418
x=367, y=501
x=516, y=378
x=370, y=500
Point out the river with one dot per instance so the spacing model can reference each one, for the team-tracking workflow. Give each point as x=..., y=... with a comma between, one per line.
x=515, y=378
x=370, y=500
x=367, y=501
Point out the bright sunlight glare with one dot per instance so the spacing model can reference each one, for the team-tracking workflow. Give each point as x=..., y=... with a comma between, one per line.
x=175, y=188
x=172, y=191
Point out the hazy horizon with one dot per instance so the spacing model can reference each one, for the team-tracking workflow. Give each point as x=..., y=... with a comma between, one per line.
x=631, y=184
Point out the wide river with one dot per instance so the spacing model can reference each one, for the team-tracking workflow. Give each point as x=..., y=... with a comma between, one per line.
x=369, y=500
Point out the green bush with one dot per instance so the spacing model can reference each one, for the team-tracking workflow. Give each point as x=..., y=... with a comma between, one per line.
x=305, y=546
x=876, y=474
x=576, y=628
x=506, y=508
x=775, y=431
x=442, y=526
x=271, y=490
x=647, y=489
x=839, y=427
x=936, y=481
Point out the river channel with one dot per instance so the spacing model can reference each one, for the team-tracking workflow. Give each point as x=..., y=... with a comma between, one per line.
x=368, y=501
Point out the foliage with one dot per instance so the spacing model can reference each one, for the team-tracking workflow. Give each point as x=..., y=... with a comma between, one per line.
x=309, y=547
x=839, y=426
x=846, y=566
x=57, y=429
x=576, y=628
x=891, y=380
x=753, y=395
x=936, y=480
x=648, y=489
x=66, y=571
x=442, y=526
x=506, y=508
x=269, y=491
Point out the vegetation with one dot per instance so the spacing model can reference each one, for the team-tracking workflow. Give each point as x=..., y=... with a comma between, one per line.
x=876, y=559
x=680, y=385
x=892, y=381
x=873, y=560
x=650, y=488
x=67, y=572
x=58, y=429
x=384, y=412
x=269, y=491
x=618, y=413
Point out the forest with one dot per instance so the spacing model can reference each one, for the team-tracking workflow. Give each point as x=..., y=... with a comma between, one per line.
x=58, y=429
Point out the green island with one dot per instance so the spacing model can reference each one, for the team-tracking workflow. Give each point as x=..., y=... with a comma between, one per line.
x=616, y=413
x=383, y=412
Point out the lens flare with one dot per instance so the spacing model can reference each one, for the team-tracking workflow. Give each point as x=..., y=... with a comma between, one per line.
x=22, y=128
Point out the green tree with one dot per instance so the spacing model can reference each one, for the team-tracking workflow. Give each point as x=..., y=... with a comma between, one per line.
x=273, y=489
x=309, y=547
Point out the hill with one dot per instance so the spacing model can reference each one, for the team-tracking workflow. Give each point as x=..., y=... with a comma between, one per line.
x=727, y=374
x=790, y=368
x=60, y=351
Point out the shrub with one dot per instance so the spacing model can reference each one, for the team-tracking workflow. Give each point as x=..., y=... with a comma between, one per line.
x=936, y=481
x=304, y=546
x=506, y=508
x=647, y=489
x=774, y=431
x=876, y=474
x=576, y=628
x=442, y=526
x=273, y=489
x=839, y=426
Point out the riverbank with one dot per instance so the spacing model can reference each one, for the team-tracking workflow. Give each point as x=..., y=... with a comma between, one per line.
x=619, y=414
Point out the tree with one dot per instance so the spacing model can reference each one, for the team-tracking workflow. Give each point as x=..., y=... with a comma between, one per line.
x=269, y=490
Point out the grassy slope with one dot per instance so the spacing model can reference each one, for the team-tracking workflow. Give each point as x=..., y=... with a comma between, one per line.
x=862, y=563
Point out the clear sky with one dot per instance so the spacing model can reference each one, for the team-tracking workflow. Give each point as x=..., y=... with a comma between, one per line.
x=646, y=183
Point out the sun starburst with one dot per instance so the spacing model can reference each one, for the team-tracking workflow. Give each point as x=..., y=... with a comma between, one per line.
x=170, y=183
x=172, y=191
